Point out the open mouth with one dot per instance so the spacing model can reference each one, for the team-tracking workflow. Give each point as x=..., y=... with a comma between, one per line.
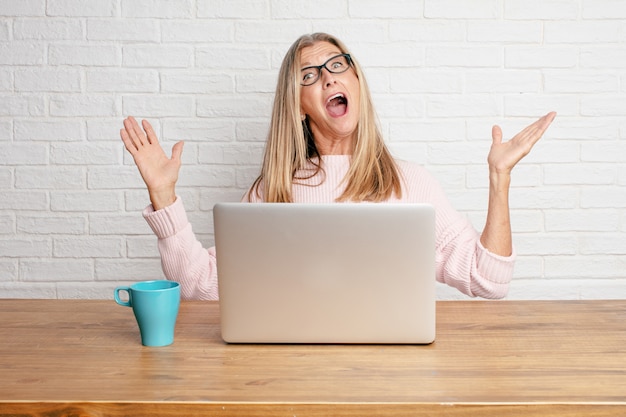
x=337, y=105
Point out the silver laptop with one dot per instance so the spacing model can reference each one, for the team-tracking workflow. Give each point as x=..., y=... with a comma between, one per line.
x=326, y=273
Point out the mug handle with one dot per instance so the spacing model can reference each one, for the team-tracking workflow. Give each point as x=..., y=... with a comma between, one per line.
x=116, y=295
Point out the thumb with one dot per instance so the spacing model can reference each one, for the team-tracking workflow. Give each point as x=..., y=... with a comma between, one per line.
x=496, y=134
x=177, y=150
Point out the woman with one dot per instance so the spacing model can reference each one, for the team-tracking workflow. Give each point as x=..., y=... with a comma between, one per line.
x=324, y=145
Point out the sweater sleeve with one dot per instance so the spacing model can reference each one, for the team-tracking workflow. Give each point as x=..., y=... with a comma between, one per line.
x=183, y=258
x=462, y=261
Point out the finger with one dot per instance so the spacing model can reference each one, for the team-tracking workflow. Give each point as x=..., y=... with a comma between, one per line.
x=496, y=134
x=134, y=131
x=152, y=137
x=177, y=150
x=128, y=142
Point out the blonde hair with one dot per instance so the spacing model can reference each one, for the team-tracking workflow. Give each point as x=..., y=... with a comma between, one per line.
x=373, y=174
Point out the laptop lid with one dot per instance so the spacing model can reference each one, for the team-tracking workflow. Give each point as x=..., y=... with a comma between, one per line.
x=326, y=273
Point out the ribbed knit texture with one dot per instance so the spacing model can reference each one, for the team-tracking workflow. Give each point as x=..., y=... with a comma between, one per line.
x=461, y=261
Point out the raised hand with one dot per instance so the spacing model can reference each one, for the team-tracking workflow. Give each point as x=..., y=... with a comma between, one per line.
x=503, y=156
x=159, y=172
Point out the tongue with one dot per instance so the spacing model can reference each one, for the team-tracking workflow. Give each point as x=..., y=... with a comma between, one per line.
x=336, y=107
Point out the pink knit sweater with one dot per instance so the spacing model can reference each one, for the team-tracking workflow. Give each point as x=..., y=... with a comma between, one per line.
x=461, y=261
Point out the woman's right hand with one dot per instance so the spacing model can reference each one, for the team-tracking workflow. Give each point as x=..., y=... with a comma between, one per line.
x=159, y=172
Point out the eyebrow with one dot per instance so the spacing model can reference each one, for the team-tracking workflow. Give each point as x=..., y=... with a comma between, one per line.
x=329, y=55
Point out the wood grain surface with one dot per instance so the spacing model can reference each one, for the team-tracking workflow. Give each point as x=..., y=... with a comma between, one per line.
x=507, y=358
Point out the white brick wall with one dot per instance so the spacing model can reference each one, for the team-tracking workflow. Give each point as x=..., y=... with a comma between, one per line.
x=442, y=73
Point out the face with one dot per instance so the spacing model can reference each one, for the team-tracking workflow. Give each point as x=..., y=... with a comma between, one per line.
x=332, y=103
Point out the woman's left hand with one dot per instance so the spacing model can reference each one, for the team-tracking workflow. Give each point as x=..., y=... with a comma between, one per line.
x=503, y=156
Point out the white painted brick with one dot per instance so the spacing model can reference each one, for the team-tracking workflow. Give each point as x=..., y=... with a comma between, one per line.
x=605, y=266
x=103, y=178
x=85, y=201
x=215, y=57
x=46, y=178
x=570, y=174
x=245, y=176
x=135, y=30
x=21, y=105
x=83, y=105
x=526, y=221
x=128, y=270
x=6, y=178
x=603, y=197
x=157, y=8
x=582, y=32
x=23, y=154
x=86, y=290
x=7, y=224
x=498, y=81
x=542, y=244
x=588, y=128
x=206, y=31
x=603, y=244
x=399, y=106
x=5, y=31
x=49, y=269
x=417, y=153
x=504, y=31
x=426, y=31
x=23, y=200
x=365, y=9
x=467, y=56
x=541, y=9
x=460, y=9
x=395, y=55
x=232, y=154
x=603, y=151
x=356, y=35
x=577, y=220
x=421, y=131
x=142, y=247
x=85, y=54
x=530, y=105
x=157, y=56
x=541, y=56
x=158, y=105
x=603, y=9
x=87, y=247
x=275, y=31
x=54, y=80
x=603, y=105
x=262, y=82
x=123, y=81
x=204, y=130
x=236, y=9
x=603, y=57
x=47, y=224
x=580, y=82
x=49, y=130
x=544, y=198
x=210, y=197
x=426, y=81
x=86, y=153
x=203, y=176
x=24, y=290
x=6, y=131
x=25, y=248
x=108, y=129
x=252, y=130
x=456, y=105
x=196, y=82
x=8, y=272
x=47, y=29
x=23, y=8
x=240, y=106
x=86, y=8
x=101, y=224
x=6, y=80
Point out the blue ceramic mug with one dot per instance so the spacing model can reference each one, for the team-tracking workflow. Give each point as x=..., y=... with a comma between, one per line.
x=155, y=304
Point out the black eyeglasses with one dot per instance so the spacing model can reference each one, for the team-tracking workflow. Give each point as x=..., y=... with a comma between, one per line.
x=336, y=65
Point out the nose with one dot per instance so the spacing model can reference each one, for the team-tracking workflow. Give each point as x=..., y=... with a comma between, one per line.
x=327, y=77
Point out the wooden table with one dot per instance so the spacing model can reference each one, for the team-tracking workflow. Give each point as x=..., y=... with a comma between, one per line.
x=508, y=358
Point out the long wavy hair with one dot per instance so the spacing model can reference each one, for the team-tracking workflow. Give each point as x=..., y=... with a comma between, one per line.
x=290, y=147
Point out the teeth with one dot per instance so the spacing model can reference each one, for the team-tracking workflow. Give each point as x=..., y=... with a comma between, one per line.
x=338, y=95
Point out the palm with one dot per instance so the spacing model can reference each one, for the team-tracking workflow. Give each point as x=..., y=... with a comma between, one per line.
x=503, y=156
x=159, y=172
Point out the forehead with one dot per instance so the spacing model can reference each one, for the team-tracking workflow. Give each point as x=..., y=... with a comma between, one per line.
x=317, y=53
